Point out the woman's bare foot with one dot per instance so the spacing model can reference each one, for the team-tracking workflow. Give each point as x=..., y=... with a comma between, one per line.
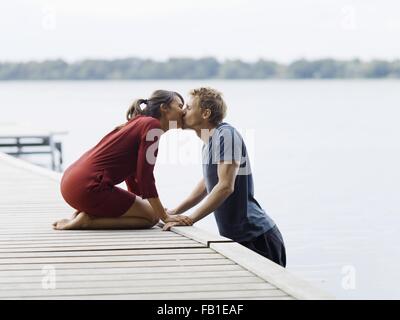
x=75, y=214
x=65, y=221
x=60, y=223
x=79, y=222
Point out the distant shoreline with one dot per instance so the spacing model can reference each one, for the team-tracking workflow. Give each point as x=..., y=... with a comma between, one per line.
x=211, y=80
x=199, y=69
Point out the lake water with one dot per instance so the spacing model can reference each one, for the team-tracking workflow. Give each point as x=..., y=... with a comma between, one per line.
x=325, y=158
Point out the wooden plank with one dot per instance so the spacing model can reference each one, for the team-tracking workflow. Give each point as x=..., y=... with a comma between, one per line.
x=270, y=271
x=114, y=258
x=89, y=265
x=50, y=231
x=116, y=283
x=21, y=239
x=104, y=247
x=106, y=253
x=167, y=296
x=124, y=270
x=130, y=276
x=66, y=235
x=264, y=287
x=98, y=238
x=61, y=235
x=199, y=235
x=87, y=240
x=96, y=243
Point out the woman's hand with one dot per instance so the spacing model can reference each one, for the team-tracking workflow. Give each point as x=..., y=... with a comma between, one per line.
x=170, y=224
x=182, y=220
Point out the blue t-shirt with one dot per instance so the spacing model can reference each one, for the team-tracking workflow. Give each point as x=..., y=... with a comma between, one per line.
x=239, y=217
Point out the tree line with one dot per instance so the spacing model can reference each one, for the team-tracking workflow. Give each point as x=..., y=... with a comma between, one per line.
x=205, y=68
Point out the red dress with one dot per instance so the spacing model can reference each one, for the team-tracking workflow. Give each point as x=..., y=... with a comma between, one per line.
x=89, y=184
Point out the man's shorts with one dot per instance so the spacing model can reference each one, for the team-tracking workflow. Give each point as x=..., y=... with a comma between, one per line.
x=270, y=245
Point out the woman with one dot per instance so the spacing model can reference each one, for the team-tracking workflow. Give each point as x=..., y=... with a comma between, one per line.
x=127, y=153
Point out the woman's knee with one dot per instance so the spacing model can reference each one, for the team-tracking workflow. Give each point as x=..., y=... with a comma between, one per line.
x=153, y=219
x=149, y=222
x=142, y=209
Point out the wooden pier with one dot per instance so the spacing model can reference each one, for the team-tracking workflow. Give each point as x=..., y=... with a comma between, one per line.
x=37, y=262
x=24, y=140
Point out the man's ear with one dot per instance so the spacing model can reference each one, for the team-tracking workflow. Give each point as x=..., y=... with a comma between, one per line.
x=206, y=114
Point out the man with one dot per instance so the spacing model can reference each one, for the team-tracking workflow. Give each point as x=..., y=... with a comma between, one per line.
x=228, y=183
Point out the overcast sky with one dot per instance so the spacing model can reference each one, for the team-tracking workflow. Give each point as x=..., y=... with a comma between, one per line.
x=281, y=30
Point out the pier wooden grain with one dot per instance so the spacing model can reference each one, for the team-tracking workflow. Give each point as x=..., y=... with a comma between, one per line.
x=187, y=263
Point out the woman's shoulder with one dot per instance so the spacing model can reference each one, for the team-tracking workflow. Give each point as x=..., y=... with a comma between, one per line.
x=153, y=122
x=146, y=122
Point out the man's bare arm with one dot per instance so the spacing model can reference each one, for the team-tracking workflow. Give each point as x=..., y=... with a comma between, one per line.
x=223, y=189
x=198, y=194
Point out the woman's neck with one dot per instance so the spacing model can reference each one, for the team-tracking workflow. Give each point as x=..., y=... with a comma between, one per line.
x=164, y=123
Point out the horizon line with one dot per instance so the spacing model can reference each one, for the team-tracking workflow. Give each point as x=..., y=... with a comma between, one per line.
x=73, y=61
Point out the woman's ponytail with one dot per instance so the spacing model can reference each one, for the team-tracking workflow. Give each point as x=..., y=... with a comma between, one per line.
x=135, y=109
x=153, y=105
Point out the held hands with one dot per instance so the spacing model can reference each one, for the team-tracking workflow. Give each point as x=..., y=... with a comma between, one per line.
x=184, y=220
x=172, y=221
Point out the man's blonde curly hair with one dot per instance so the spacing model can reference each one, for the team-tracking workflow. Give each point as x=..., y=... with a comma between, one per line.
x=210, y=98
